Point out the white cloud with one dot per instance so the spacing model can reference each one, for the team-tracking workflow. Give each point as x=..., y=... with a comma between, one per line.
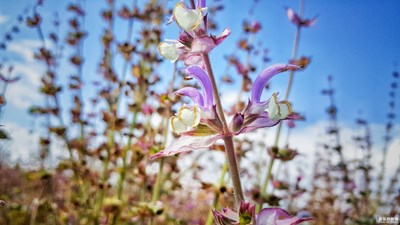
x=22, y=95
x=22, y=146
x=24, y=92
x=25, y=48
x=3, y=19
x=306, y=140
x=30, y=72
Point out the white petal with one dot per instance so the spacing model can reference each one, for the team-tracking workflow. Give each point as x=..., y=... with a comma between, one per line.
x=177, y=125
x=278, y=110
x=187, y=19
x=286, y=109
x=273, y=108
x=189, y=117
x=168, y=51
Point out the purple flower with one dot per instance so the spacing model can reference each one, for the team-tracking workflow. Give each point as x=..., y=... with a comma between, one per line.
x=255, y=116
x=278, y=216
x=193, y=41
x=189, y=47
x=247, y=215
x=297, y=20
x=199, y=126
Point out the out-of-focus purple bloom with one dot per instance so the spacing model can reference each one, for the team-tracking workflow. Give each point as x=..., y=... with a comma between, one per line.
x=350, y=185
x=147, y=109
x=303, y=214
x=256, y=26
x=247, y=215
x=297, y=20
x=290, y=123
x=278, y=216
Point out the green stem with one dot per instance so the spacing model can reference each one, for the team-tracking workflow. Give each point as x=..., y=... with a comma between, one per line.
x=157, y=185
x=228, y=140
x=124, y=153
x=217, y=194
x=288, y=89
x=104, y=177
x=269, y=173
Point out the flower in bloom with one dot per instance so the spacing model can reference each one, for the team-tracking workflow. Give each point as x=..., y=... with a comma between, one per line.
x=255, y=116
x=297, y=20
x=278, y=216
x=193, y=41
x=199, y=126
x=247, y=215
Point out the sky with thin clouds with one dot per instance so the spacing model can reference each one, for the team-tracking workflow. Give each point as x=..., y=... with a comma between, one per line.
x=355, y=41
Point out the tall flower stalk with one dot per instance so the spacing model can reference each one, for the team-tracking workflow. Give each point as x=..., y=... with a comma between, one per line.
x=299, y=22
x=201, y=125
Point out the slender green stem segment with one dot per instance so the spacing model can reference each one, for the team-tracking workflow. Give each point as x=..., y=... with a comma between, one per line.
x=288, y=89
x=157, y=185
x=228, y=140
x=156, y=190
x=124, y=155
x=217, y=194
x=269, y=173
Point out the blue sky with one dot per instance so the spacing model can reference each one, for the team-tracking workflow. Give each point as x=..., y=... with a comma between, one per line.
x=355, y=41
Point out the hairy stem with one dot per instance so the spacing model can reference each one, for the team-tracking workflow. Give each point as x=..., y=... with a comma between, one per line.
x=228, y=140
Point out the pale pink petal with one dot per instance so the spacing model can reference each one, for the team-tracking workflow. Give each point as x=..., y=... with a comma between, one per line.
x=187, y=143
x=193, y=59
x=293, y=17
x=311, y=22
x=278, y=216
x=222, y=36
x=203, y=44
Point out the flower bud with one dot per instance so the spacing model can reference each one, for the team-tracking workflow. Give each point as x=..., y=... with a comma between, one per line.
x=237, y=122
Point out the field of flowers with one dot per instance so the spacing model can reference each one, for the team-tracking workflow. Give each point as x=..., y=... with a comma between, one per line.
x=157, y=137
